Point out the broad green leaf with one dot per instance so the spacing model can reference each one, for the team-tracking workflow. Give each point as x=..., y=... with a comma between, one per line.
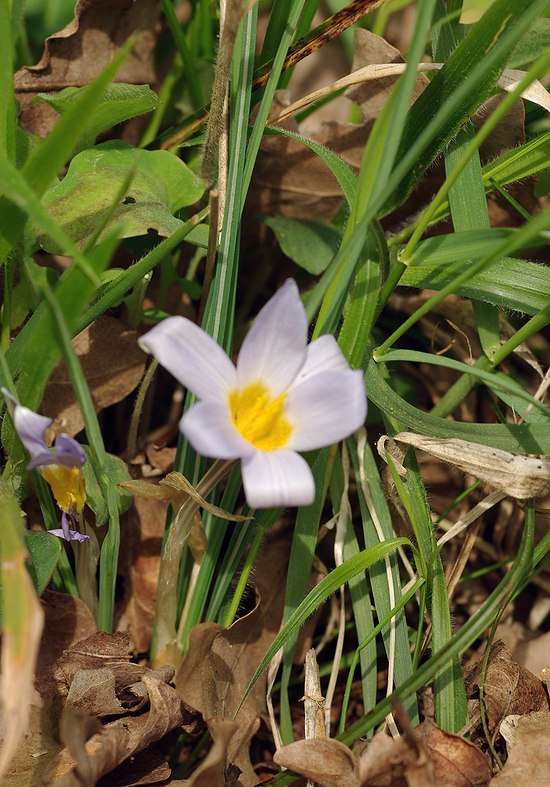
x=310, y=243
x=120, y=102
x=161, y=185
x=44, y=551
x=116, y=470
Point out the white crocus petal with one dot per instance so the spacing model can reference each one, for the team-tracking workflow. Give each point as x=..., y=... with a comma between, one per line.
x=209, y=429
x=192, y=357
x=326, y=408
x=323, y=355
x=277, y=478
x=31, y=427
x=274, y=350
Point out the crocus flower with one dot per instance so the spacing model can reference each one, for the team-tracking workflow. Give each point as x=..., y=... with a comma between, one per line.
x=59, y=466
x=283, y=396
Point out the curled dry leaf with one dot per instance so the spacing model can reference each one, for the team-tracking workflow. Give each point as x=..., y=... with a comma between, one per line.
x=305, y=185
x=77, y=54
x=528, y=743
x=508, y=688
x=456, y=761
x=118, y=739
x=518, y=476
x=112, y=363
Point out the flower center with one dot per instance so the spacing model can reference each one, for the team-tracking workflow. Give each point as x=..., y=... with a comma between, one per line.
x=67, y=485
x=258, y=418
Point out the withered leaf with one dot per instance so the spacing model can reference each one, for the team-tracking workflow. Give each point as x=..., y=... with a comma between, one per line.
x=112, y=363
x=76, y=54
x=121, y=738
x=212, y=770
x=456, y=761
x=139, y=566
x=528, y=744
x=326, y=762
x=518, y=476
x=67, y=620
x=508, y=688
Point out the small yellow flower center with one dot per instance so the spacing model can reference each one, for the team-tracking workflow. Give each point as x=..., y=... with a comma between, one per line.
x=260, y=419
x=67, y=485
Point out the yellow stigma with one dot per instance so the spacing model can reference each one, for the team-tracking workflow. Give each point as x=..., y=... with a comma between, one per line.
x=260, y=419
x=67, y=486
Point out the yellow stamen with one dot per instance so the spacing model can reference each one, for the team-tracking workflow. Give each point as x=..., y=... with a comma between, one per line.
x=260, y=419
x=67, y=486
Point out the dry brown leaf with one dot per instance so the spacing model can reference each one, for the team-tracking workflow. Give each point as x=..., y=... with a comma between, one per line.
x=112, y=363
x=508, y=688
x=456, y=761
x=212, y=770
x=305, y=185
x=77, y=54
x=516, y=475
x=143, y=527
x=424, y=756
x=220, y=662
x=119, y=739
x=177, y=489
x=326, y=762
x=528, y=744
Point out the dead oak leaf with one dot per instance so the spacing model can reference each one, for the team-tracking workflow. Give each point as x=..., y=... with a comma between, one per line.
x=424, y=756
x=139, y=564
x=77, y=54
x=112, y=363
x=116, y=741
x=528, y=743
x=508, y=688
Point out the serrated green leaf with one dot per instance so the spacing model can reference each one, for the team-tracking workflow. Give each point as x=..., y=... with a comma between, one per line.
x=310, y=243
x=161, y=185
x=120, y=102
x=44, y=551
x=116, y=470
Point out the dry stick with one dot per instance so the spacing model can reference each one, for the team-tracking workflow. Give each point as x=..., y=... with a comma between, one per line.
x=330, y=29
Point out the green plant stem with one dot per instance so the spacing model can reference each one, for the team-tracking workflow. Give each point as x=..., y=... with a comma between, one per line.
x=192, y=82
x=374, y=633
x=111, y=544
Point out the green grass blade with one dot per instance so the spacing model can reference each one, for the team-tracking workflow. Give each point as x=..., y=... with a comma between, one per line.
x=325, y=588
